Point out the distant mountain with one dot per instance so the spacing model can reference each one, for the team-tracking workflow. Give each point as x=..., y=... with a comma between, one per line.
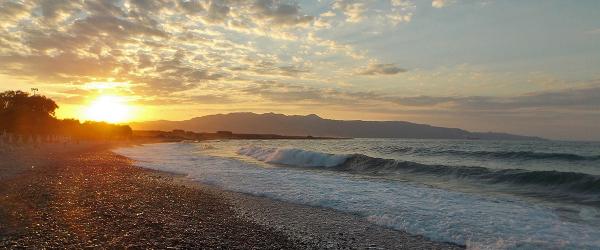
x=314, y=125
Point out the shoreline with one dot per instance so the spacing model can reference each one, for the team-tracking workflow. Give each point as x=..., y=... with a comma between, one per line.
x=324, y=227
x=94, y=197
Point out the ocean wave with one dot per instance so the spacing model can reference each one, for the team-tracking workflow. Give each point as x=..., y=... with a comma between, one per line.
x=293, y=157
x=514, y=155
x=361, y=164
x=524, y=155
x=551, y=180
x=206, y=146
x=436, y=213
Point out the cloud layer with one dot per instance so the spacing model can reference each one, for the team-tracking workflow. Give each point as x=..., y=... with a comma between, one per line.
x=263, y=54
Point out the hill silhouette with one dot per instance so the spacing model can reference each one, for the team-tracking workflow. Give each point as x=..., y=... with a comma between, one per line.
x=271, y=123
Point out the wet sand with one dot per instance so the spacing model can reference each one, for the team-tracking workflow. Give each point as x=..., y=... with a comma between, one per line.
x=95, y=198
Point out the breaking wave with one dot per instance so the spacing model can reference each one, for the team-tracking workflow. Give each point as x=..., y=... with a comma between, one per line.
x=516, y=155
x=565, y=181
x=293, y=157
x=475, y=219
x=572, y=182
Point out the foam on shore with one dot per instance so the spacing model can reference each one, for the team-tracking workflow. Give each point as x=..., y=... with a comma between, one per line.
x=441, y=215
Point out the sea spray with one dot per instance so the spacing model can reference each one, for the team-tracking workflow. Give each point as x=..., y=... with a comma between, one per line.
x=293, y=157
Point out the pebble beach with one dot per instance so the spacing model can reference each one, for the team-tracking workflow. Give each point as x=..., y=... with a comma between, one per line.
x=94, y=198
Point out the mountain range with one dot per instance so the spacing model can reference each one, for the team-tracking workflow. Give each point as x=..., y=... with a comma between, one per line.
x=313, y=125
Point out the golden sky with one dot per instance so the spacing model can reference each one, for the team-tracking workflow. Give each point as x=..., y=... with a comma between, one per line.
x=526, y=67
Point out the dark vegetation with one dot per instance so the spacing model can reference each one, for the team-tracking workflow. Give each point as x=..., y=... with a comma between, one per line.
x=32, y=117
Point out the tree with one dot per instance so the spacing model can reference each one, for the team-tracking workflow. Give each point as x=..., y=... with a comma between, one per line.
x=32, y=115
x=23, y=113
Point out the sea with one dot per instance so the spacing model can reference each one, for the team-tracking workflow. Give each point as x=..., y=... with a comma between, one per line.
x=478, y=193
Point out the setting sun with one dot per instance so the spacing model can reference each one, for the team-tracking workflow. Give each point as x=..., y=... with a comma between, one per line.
x=446, y=124
x=112, y=109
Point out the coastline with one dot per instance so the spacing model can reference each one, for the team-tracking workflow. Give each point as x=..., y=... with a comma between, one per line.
x=316, y=226
x=93, y=197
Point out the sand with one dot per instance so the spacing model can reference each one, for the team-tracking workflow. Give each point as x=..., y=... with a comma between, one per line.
x=95, y=198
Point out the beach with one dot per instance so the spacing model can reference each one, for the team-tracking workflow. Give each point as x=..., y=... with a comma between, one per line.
x=95, y=198
x=422, y=187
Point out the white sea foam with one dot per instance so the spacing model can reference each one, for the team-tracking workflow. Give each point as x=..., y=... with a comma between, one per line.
x=293, y=157
x=464, y=218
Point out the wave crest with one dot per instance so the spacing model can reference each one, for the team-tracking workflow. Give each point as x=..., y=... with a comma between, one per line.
x=554, y=180
x=571, y=182
x=515, y=155
x=293, y=157
x=525, y=155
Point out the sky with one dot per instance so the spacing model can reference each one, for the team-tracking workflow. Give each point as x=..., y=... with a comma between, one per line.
x=524, y=67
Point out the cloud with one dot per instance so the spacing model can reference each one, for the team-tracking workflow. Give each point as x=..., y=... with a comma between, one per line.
x=11, y=13
x=378, y=14
x=593, y=32
x=52, y=10
x=401, y=11
x=397, y=18
x=280, y=92
x=171, y=49
x=65, y=66
x=158, y=44
x=587, y=98
x=151, y=5
x=381, y=69
x=563, y=101
x=249, y=15
x=280, y=13
x=420, y=101
x=166, y=46
x=353, y=10
x=269, y=67
x=217, y=12
x=191, y=6
x=439, y=3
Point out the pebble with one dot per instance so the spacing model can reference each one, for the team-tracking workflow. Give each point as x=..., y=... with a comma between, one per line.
x=99, y=200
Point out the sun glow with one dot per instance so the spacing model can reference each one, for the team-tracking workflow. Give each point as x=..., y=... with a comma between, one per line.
x=112, y=109
x=106, y=85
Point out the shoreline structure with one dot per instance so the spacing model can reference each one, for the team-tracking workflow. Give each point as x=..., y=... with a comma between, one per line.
x=85, y=195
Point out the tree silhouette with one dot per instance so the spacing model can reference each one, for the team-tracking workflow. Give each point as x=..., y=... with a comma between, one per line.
x=34, y=115
x=22, y=113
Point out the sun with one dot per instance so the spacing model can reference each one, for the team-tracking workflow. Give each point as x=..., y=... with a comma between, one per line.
x=113, y=109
